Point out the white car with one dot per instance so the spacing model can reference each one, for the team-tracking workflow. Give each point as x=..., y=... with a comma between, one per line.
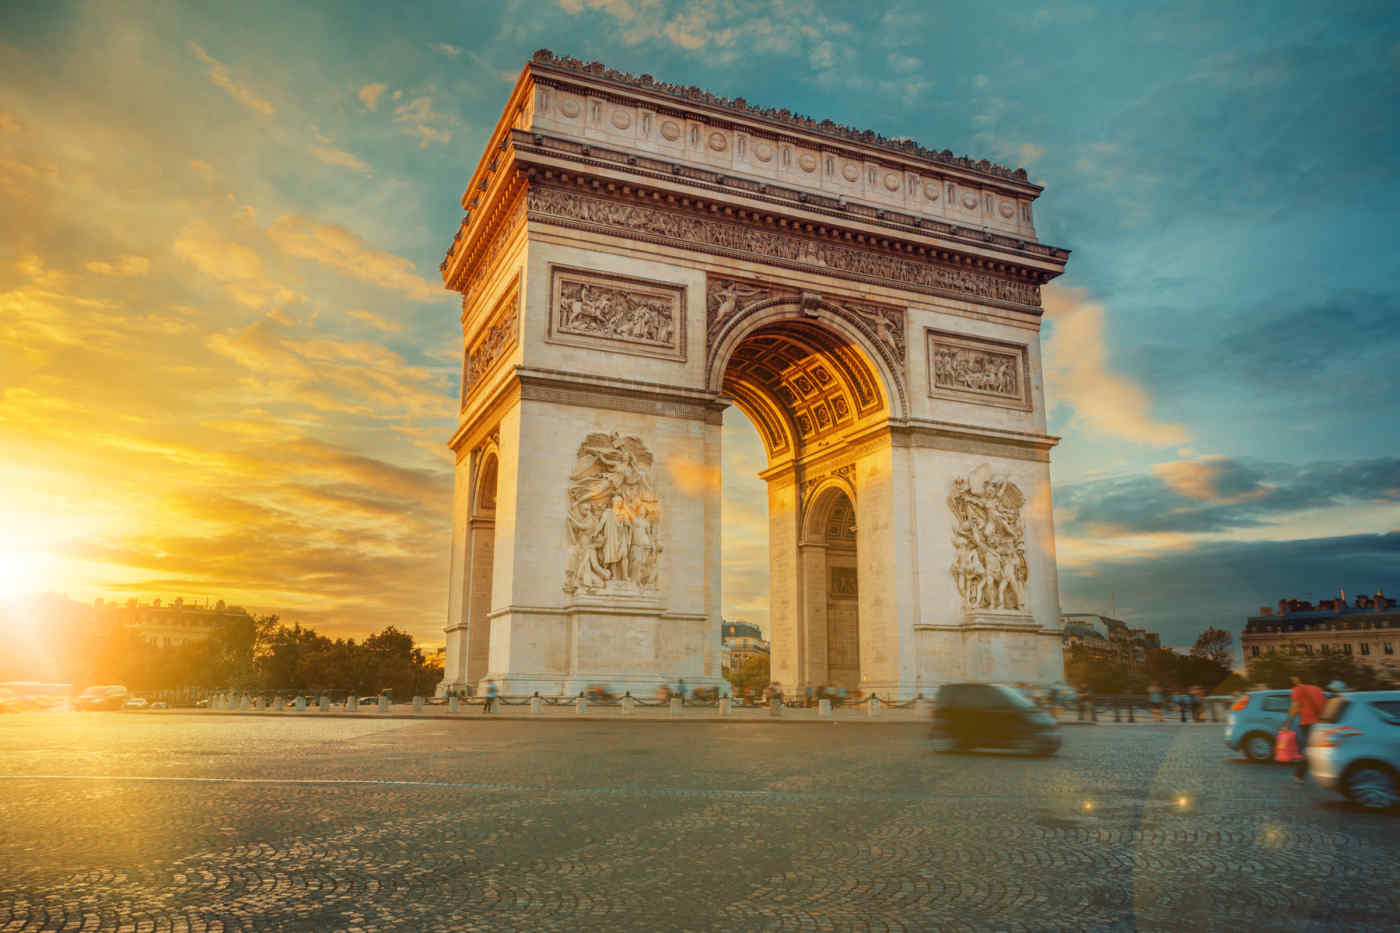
x=135, y=703
x=1355, y=749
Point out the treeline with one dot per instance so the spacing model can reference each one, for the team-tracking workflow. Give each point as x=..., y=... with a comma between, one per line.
x=1206, y=665
x=1276, y=671
x=260, y=655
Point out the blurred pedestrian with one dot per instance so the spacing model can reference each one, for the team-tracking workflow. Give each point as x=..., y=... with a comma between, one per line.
x=1197, y=703
x=1154, y=700
x=490, y=704
x=680, y=690
x=1305, y=702
x=1086, y=703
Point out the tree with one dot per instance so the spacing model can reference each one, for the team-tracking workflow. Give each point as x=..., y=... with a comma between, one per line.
x=1216, y=645
x=753, y=674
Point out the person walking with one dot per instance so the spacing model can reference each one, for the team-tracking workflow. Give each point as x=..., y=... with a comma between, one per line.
x=1305, y=701
x=1086, y=703
x=490, y=703
x=1154, y=700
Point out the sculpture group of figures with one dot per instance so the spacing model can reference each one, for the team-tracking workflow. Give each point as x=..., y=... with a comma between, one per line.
x=612, y=519
x=611, y=312
x=989, y=536
x=956, y=368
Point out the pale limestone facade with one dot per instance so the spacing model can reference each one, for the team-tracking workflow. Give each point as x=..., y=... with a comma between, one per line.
x=635, y=258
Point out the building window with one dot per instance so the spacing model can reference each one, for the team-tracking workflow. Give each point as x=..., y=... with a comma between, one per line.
x=1388, y=647
x=1346, y=648
x=1326, y=648
x=1254, y=651
x=1365, y=647
x=1307, y=649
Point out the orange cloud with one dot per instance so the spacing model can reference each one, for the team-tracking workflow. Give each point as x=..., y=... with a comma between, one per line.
x=370, y=93
x=337, y=248
x=378, y=322
x=1078, y=374
x=339, y=158
x=219, y=73
x=127, y=267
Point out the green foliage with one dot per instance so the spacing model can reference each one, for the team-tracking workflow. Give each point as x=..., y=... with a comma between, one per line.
x=1276, y=671
x=753, y=674
x=1216, y=645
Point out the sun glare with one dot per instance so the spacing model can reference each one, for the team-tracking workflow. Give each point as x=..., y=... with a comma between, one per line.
x=16, y=573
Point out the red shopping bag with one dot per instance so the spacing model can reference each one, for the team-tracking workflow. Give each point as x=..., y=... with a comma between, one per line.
x=1286, y=746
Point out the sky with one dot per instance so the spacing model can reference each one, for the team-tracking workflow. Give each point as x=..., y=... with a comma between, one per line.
x=228, y=369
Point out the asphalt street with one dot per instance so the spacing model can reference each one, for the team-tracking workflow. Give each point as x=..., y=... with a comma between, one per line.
x=171, y=821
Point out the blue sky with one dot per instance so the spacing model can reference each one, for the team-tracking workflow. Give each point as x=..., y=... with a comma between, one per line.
x=227, y=371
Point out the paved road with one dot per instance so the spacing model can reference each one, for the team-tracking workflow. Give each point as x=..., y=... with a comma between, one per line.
x=199, y=822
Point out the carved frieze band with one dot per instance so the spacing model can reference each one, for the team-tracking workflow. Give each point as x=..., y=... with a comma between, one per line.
x=986, y=372
x=497, y=340
x=617, y=313
x=641, y=221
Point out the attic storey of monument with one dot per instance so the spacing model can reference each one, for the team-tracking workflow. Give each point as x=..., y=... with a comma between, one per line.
x=634, y=258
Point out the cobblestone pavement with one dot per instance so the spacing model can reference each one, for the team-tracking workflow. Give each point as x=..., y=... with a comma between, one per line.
x=188, y=822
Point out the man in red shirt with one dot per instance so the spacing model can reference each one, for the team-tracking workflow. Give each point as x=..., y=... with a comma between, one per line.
x=1305, y=702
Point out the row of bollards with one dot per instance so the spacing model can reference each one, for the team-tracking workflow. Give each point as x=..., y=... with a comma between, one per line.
x=627, y=705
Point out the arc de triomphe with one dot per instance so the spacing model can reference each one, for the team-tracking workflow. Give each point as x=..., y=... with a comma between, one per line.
x=635, y=257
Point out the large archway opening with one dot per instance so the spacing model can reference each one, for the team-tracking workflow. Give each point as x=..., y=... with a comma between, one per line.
x=809, y=391
x=481, y=542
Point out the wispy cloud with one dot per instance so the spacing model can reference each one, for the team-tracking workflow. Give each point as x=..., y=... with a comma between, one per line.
x=370, y=94
x=451, y=51
x=378, y=322
x=127, y=267
x=219, y=73
x=340, y=158
x=337, y=248
x=419, y=118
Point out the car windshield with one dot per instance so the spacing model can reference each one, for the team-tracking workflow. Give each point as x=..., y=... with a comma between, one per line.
x=1016, y=697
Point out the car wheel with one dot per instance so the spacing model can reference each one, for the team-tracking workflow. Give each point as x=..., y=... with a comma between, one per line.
x=1258, y=747
x=1373, y=787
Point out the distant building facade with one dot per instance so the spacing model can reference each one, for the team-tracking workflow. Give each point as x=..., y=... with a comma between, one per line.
x=169, y=625
x=739, y=642
x=1368, y=630
x=1103, y=640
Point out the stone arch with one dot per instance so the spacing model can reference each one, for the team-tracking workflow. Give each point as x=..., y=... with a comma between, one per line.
x=814, y=312
x=818, y=505
x=484, y=492
x=481, y=559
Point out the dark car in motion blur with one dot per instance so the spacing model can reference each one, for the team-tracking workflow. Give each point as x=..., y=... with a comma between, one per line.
x=976, y=715
x=110, y=697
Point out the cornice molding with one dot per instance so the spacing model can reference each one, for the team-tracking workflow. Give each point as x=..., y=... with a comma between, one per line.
x=544, y=62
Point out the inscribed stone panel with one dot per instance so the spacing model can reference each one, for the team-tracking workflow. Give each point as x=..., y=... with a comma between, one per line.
x=616, y=313
x=987, y=372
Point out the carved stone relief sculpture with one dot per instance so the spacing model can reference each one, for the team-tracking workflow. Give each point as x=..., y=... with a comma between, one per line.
x=613, y=519
x=499, y=338
x=617, y=313
x=989, y=538
x=982, y=371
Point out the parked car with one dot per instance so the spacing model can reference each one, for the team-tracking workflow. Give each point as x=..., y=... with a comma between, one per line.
x=110, y=697
x=135, y=703
x=1355, y=749
x=972, y=715
x=1254, y=721
x=369, y=701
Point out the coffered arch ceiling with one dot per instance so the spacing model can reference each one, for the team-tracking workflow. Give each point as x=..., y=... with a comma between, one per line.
x=803, y=386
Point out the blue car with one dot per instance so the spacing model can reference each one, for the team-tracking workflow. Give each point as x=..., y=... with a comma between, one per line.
x=1254, y=721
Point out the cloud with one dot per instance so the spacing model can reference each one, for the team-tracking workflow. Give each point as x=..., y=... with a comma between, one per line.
x=339, y=157
x=128, y=267
x=237, y=266
x=203, y=170
x=1077, y=374
x=219, y=73
x=419, y=117
x=8, y=123
x=1218, y=494
x=337, y=248
x=377, y=322
x=370, y=93
x=451, y=51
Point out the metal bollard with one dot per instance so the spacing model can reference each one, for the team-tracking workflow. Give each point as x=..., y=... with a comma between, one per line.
x=923, y=709
x=384, y=704
x=581, y=705
x=775, y=707
x=675, y=706
x=453, y=704
x=824, y=708
x=324, y=703
x=873, y=710
x=244, y=704
x=536, y=704
x=417, y=705
x=627, y=704
x=352, y=704
x=724, y=703
x=300, y=703
x=277, y=704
